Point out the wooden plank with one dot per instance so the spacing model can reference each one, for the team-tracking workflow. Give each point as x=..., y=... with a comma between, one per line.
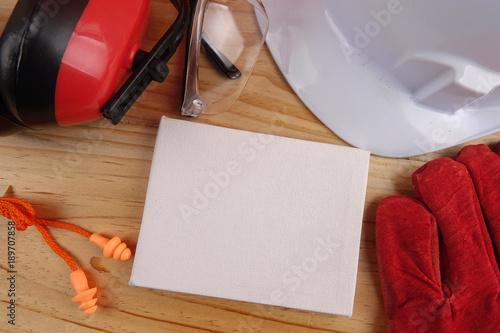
x=5, y=190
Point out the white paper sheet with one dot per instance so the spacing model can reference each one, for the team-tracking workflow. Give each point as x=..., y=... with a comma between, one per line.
x=252, y=217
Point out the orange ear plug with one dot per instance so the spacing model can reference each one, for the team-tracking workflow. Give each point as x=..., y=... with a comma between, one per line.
x=23, y=214
x=83, y=293
x=112, y=248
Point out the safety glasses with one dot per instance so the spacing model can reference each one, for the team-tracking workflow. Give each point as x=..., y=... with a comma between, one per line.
x=223, y=43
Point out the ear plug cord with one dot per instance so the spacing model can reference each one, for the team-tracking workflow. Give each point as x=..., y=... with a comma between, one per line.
x=23, y=214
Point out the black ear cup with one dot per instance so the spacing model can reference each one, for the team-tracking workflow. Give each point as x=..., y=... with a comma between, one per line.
x=31, y=49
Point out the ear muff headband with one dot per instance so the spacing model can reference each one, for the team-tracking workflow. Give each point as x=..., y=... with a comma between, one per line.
x=150, y=66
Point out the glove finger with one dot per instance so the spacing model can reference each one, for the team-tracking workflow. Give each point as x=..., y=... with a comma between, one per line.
x=445, y=186
x=408, y=257
x=484, y=168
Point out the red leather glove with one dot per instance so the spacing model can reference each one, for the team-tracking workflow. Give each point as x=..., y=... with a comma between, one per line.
x=438, y=255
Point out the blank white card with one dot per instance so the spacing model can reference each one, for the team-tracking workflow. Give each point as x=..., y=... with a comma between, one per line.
x=252, y=217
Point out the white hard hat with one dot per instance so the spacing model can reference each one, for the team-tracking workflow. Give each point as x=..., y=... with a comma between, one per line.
x=396, y=77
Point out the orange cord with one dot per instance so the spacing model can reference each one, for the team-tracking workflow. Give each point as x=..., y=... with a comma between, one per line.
x=23, y=214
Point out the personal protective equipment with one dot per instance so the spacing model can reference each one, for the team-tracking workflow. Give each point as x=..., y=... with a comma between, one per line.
x=438, y=255
x=396, y=77
x=69, y=62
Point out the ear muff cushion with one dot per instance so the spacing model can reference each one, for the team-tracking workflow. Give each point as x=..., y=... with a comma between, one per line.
x=31, y=49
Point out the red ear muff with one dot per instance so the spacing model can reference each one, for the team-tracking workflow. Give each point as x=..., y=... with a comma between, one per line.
x=61, y=61
x=98, y=56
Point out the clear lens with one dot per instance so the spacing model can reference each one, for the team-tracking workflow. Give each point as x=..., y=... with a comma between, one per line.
x=226, y=39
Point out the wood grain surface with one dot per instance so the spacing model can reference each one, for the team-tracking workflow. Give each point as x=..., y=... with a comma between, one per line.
x=95, y=176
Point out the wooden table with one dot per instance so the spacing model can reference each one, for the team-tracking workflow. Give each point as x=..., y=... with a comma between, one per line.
x=95, y=176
